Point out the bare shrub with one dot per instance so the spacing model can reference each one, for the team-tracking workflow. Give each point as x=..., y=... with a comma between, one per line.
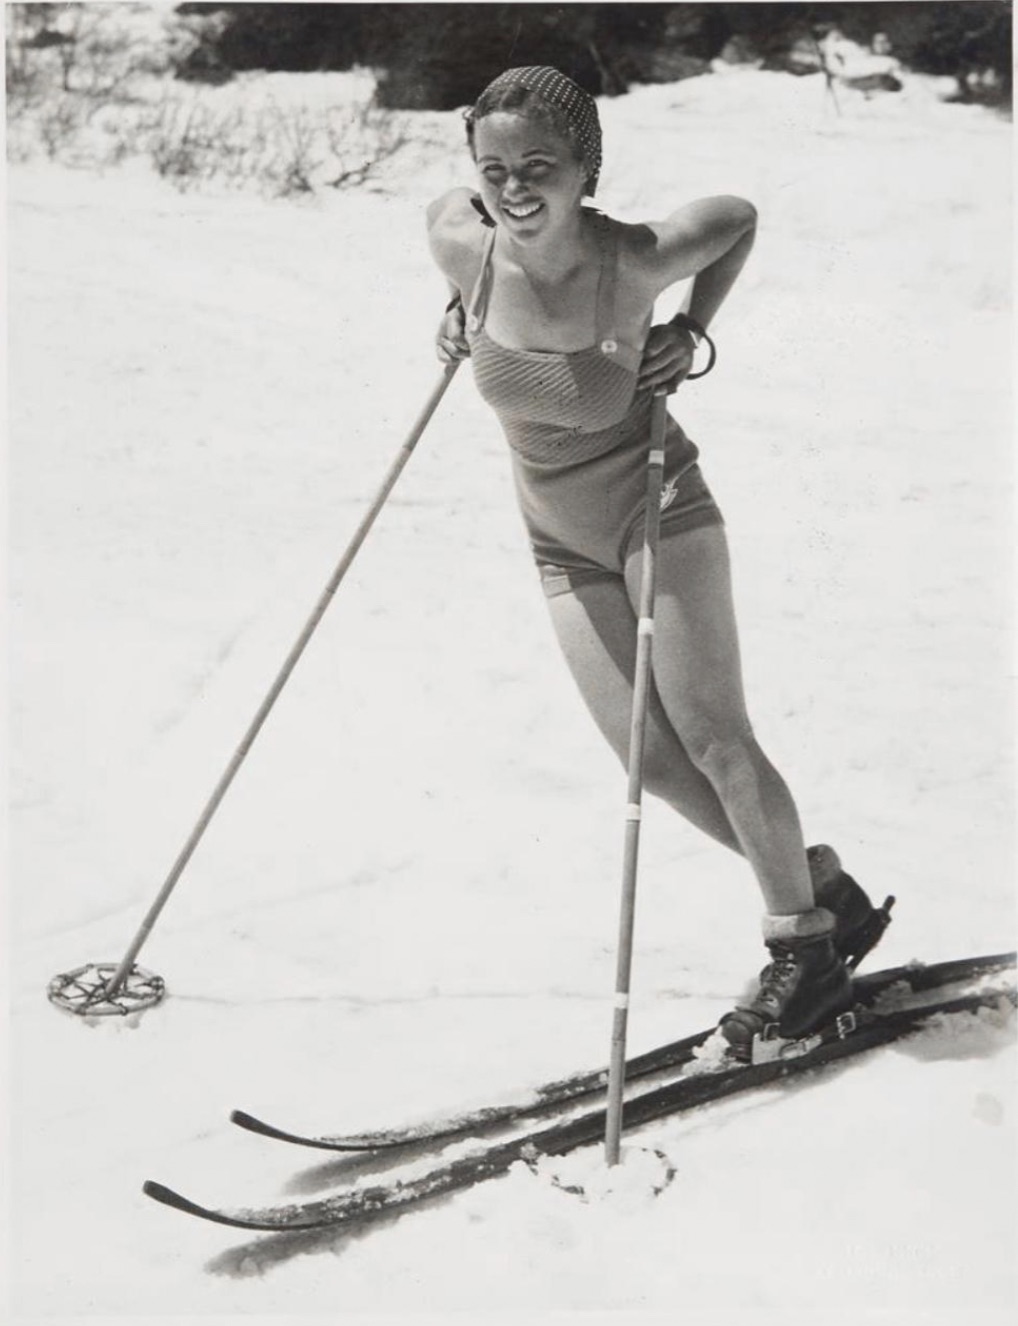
x=65, y=63
x=90, y=84
x=295, y=161
x=191, y=144
x=24, y=28
x=284, y=151
x=58, y=122
x=359, y=140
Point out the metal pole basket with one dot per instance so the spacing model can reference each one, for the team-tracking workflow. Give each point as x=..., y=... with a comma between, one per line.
x=86, y=990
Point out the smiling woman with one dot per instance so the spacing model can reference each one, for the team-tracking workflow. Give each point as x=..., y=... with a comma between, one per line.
x=526, y=167
x=553, y=302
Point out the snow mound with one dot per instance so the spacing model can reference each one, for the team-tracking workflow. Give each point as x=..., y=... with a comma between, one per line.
x=709, y=1057
x=972, y=1035
x=641, y=1174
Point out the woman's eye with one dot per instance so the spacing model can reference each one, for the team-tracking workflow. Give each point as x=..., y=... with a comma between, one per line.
x=493, y=172
x=539, y=167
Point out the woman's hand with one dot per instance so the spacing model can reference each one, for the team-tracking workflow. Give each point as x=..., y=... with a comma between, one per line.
x=450, y=340
x=667, y=356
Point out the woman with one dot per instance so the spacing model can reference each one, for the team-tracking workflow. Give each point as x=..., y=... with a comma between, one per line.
x=553, y=302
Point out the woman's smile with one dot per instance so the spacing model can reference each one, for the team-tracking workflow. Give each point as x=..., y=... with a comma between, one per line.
x=522, y=211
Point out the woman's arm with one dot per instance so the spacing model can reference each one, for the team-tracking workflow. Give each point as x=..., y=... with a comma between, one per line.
x=453, y=238
x=709, y=241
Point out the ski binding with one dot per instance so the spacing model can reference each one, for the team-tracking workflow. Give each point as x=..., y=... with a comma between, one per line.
x=769, y=1046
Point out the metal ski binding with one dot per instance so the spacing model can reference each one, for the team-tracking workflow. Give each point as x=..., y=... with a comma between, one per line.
x=770, y=1047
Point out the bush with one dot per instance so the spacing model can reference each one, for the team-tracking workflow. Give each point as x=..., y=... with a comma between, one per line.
x=87, y=86
x=439, y=56
x=970, y=42
x=66, y=63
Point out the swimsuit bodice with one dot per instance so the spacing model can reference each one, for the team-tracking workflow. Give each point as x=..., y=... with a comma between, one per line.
x=560, y=407
x=579, y=430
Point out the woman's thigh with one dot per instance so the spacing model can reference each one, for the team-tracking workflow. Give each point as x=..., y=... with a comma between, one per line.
x=696, y=657
x=596, y=628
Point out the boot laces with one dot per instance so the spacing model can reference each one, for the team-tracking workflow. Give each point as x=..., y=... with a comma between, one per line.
x=779, y=974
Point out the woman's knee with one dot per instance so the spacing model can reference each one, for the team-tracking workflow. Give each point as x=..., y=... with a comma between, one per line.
x=668, y=771
x=725, y=751
x=662, y=770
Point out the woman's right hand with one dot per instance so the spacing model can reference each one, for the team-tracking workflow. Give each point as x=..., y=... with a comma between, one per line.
x=450, y=340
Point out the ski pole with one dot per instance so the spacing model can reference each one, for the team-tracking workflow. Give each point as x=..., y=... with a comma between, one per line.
x=73, y=990
x=637, y=731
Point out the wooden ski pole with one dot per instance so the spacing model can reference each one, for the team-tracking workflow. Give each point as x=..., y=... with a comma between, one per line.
x=392, y=474
x=638, y=726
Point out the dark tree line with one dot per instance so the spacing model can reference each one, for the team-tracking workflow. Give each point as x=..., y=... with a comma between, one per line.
x=438, y=56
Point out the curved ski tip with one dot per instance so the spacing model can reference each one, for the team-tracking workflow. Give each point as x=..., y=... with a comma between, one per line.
x=167, y=1196
x=245, y=1120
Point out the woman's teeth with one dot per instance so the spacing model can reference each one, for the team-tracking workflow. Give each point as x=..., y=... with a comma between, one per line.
x=521, y=212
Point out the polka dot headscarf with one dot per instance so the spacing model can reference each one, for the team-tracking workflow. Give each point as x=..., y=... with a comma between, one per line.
x=578, y=107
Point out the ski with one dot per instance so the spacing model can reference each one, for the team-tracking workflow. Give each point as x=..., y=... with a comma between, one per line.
x=552, y=1096
x=867, y=1029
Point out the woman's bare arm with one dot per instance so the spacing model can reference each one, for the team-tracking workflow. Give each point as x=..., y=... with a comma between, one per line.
x=708, y=240
x=454, y=240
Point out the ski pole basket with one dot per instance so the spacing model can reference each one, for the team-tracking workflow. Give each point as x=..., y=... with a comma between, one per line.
x=87, y=991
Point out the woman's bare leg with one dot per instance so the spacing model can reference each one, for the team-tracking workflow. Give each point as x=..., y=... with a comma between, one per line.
x=698, y=675
x=596, y=628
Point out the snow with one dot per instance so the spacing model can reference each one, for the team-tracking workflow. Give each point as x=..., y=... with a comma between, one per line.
x=407, y=902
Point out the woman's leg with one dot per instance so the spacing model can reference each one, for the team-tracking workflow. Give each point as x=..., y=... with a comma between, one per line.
x=596, y=628
x=698, y=675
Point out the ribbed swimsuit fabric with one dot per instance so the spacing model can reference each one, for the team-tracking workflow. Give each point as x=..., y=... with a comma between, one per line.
x=579, y=431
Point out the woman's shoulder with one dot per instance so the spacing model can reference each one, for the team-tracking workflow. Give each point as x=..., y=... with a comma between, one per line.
x=456, y=236
x=455, y=205
x=454, y=225
x=637, y=246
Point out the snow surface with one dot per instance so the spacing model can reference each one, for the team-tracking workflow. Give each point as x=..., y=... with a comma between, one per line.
x=408, y=900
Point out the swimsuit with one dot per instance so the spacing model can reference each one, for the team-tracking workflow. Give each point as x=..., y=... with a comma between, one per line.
x=579, y=431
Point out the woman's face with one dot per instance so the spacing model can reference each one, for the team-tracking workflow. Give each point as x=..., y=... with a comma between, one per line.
x=530, y=178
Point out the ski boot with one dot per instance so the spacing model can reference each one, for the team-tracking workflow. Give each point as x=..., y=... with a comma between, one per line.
x=805, y=985
x=859, y=925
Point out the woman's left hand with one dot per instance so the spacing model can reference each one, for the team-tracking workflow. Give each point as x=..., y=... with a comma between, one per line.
x=667, y=356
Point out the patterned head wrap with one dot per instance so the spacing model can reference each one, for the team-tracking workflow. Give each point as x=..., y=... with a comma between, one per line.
x=578, y=107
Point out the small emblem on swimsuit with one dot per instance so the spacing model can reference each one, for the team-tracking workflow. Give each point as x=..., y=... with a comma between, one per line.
x=668, y=493
x=609, y=346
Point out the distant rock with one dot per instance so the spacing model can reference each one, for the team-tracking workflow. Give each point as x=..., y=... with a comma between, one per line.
x=740, y=50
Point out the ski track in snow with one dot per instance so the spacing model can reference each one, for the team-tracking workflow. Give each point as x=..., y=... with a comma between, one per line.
x=408, y=901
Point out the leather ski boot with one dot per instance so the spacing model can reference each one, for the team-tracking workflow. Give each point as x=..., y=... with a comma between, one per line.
x=805, y=984
x=858, y=925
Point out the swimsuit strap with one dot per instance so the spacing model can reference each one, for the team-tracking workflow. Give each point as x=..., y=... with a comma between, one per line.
x=478, y=307
x=605, y=335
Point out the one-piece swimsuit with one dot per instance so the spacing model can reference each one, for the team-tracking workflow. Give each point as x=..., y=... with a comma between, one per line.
x=579, y=429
